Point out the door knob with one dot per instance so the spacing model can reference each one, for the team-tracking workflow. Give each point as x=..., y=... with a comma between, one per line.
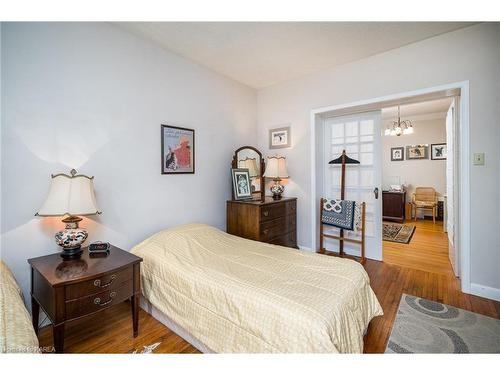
x=375, y=191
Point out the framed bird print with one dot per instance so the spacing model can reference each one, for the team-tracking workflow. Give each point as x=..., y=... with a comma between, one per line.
x=438, y=151
x=280, y=137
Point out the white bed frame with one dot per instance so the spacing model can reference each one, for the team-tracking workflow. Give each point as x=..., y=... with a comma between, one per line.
x=173, y=326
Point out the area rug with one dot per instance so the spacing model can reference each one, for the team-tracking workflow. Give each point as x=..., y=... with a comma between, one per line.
x=424, y=326
x=400, y=233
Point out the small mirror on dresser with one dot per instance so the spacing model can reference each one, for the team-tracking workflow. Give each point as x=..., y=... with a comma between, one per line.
x=248, y=157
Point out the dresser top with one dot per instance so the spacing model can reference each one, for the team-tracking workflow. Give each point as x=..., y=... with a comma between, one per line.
x=58, y=271
x=268, y=200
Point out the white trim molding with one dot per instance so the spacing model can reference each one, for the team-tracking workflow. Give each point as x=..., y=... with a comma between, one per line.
x=485, y=291
x=451, y=89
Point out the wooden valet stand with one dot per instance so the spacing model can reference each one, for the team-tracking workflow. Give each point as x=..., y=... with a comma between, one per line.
x=342, y=160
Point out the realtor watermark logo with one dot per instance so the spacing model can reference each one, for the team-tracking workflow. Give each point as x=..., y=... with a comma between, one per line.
x=27, y=349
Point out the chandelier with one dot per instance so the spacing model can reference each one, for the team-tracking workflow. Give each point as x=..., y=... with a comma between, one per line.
x=399, y=127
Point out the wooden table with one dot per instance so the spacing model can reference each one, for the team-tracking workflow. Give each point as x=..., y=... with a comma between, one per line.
x=71, y=289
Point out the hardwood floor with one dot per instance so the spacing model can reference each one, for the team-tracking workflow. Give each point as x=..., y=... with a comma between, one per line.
x=427, y=250
x=418, y=269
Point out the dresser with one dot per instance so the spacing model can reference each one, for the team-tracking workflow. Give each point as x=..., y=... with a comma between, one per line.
x=393, y=205
x=71, y=289
x=271, y=221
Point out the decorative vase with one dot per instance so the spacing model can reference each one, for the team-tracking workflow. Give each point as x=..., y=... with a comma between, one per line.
x=277, y=189
x=71, y=238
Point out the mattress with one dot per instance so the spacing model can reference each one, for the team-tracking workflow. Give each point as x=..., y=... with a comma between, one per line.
x=240, y=296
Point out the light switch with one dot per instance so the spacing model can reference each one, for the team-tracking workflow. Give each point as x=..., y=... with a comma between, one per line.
x=478, y=158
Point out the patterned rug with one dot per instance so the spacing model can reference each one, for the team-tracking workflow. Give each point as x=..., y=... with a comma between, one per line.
x=424, y=326
x=400, y=233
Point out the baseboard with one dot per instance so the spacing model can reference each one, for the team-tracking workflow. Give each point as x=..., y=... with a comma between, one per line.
x=305, y=248
x=485, y=291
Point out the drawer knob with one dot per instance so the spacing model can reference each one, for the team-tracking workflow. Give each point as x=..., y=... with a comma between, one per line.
x=97, y=301
x=98, y=284
x=266, y=231
x=266, y=213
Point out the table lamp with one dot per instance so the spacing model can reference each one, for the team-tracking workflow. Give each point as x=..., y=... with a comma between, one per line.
x=70, y=196
x=276, y=169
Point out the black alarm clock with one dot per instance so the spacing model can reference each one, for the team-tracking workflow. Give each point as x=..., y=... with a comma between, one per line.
x=99, y=247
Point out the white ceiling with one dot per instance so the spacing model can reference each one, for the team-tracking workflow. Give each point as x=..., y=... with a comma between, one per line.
x=437, y=107
x=260, y=54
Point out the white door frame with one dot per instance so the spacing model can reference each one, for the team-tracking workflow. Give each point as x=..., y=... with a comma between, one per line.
x=463, y=212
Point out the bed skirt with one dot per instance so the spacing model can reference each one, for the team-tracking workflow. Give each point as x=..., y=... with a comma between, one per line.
x=169, y=323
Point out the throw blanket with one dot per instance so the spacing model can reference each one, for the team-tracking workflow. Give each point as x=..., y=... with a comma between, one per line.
x=342, y=214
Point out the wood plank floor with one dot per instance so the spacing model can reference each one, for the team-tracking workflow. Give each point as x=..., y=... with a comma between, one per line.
x=418, y=269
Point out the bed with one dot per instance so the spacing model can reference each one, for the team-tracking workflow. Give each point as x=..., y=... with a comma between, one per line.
x=16, y=330
x=226, y=294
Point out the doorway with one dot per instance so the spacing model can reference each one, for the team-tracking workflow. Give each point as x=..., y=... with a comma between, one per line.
x=461, y=219
x=418, y=170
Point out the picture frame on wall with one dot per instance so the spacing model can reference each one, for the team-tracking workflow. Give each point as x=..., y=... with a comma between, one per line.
x=397, y=153
x=438, y=151
x=416, y=152
x=280, y=137
x=242, y=186
x=177, y=150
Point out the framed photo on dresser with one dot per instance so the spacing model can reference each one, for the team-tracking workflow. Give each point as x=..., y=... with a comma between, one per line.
x=242, y=187
x=177, y=150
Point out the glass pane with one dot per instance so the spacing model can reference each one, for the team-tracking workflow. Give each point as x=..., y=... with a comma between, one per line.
x=366, y=127
x=336, y=151
x=351, y=139
x=338, y=130
x=352, y=178
x=367, y=158
x=338, y=141
x=366, y=147
x=351, y=129
x=366, y=178
x=366, y=138
x=351, y=149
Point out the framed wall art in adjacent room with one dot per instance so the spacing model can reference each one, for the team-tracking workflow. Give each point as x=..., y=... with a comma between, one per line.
x=177, y=150
x=397, y=153
x=416, y=152
x=438, y=151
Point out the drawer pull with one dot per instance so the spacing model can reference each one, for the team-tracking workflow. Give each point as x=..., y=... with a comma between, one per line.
x=266, y=213
x=97, y=300
x=97, y=282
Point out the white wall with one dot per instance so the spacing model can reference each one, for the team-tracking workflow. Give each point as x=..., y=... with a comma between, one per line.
x=468, y=54
x=92, y=96
x=413, y=173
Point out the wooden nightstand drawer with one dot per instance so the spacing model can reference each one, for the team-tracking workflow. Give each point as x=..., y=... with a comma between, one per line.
x=99, y=301
x=288, y=240
x=98, y=284
x=273, y=211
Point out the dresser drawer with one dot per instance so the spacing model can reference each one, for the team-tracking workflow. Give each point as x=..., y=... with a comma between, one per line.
x=87, y=305
x=277, y=227
x=288, y=240
x=272, y=211
x=99, y=284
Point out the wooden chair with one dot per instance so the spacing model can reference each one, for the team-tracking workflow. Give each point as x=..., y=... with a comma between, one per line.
x=341, y=236
x=424, y=198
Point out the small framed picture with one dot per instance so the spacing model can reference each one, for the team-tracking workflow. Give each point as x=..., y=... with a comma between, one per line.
x=280, y=137
x=416, y=152
x=177, y=150
x=438, y=151
x=397, y=153
x=242, y=188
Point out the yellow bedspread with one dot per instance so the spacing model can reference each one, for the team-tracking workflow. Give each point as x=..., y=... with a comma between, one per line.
x=16, y=331
x=236, y=295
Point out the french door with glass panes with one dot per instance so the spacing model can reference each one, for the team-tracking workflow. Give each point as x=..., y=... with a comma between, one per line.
x=360, y=136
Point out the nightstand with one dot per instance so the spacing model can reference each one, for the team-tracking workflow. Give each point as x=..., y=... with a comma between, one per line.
x=71, y=289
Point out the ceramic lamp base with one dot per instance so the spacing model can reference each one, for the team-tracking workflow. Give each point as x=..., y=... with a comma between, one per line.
x=277, y=189
x=71, y=238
